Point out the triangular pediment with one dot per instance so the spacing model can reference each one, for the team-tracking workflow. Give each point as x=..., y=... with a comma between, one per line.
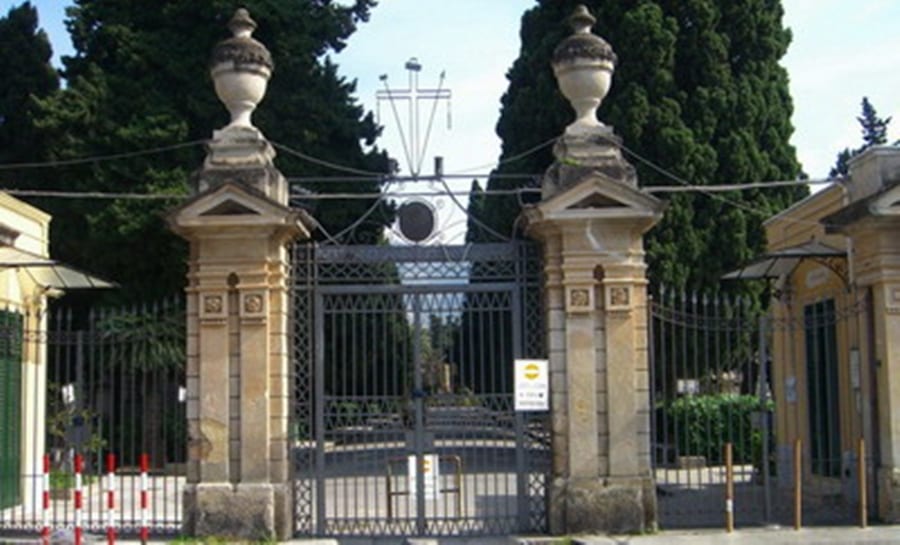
x=599, y=196
x=887, y=204
x=229, y=208
x=234, y=205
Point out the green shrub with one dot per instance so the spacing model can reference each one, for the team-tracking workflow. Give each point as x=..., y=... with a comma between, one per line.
x=65, y=480
x=700, y=425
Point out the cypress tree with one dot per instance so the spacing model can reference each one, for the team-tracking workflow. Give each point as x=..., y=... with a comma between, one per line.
x=874, y=133
x=139, y=80
x=25, y=75
x=698, y=97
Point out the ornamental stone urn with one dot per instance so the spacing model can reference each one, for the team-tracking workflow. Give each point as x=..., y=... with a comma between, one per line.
x=583, y=64
x=240, y=69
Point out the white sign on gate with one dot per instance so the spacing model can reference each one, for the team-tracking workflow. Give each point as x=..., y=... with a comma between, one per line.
x=430, y=475
x=532, y=385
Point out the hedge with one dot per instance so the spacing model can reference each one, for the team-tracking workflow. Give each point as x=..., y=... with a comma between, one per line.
x=700, y=425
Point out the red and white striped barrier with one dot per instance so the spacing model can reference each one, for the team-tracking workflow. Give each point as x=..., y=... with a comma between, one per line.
x=145, y=467
x=79, y=499
x=111, y=498
x=45, y=502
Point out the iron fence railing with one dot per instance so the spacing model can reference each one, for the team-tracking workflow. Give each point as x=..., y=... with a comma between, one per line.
x=99, y=382
x=712, y=384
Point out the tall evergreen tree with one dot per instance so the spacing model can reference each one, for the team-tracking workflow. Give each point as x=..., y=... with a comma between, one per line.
x=138, y=80
x=25, y=74
x=874, y=132
x=698, y=92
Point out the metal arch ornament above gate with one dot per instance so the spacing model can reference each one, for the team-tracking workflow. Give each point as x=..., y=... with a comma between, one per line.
x=404, y=415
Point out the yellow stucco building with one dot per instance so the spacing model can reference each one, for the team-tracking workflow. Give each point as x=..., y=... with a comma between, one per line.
x=28, y=277
x=24, y=232
x=834, y=260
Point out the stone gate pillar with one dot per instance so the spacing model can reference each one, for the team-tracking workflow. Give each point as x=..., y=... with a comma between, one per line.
x=591, y=220
x=238, y=380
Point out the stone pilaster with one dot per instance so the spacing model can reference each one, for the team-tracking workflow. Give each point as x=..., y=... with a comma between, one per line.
x=872, y=220
x=238, y=366
x=876, y=262
x=238, y=371
x=596, y=299
x=591, y=219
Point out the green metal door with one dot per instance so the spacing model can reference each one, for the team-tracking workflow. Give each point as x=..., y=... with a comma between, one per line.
x=10, y=407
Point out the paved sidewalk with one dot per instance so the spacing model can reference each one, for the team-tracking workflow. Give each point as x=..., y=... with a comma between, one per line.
x=843, y=535
x=875, y=535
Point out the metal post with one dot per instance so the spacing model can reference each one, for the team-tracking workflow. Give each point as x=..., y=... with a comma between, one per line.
x=419, y=397
x=798, y=485
x=861, y=478
x=729, y=489
x=519, y=422
x=319, y=380
x=764, y=412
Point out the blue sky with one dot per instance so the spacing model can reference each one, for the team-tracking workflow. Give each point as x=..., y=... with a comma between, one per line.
x=841, y=51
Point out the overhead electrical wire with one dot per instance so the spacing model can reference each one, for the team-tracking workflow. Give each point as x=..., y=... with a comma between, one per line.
x=329, y=164
x=368, y=175
x=99, y=158
x=704, y=189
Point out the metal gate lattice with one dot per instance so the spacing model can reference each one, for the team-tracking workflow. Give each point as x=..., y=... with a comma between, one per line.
x=403, y=420
x=713, y=383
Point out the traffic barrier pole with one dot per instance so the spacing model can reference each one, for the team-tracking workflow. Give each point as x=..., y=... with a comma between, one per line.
x=45, y=502
x=861, y=476
x=729, y=489
x=79, y=466
x=111, y=498
x=145, y=467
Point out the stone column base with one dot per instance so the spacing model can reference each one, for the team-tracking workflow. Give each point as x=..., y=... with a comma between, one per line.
x=602, y=505
x=889, y=495
x=256, y=511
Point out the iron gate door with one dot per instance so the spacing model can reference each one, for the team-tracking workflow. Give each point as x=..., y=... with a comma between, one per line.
x=413, y=431
x=712, y=384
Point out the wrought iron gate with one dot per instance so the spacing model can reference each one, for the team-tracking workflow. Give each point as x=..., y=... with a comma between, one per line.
x=404, y=422
x=713, y=384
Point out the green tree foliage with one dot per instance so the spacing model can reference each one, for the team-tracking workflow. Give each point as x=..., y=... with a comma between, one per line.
x=698, y=91
x=138, y=80
x=874, y=132
x=25, y=74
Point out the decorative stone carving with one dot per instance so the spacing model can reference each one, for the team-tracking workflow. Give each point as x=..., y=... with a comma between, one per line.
x=254, y=304
x=239, y=153
x=579, y=299
x=583, y=64
x=618, y=298
x=213, y=306
x=241, y=68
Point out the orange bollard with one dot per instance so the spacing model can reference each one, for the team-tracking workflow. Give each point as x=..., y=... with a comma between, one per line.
x=798, y=485
x=861, y=475
x=729, y=489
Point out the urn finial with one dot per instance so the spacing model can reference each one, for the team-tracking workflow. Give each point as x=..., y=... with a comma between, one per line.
x=581, y=21
x=583, y=64
x=241, y=25
x=241, y=68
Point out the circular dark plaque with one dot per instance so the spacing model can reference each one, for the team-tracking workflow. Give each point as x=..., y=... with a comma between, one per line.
x=416, y=220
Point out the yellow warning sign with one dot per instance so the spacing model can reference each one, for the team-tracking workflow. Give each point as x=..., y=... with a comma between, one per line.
x=532, y=385
x=430, y=471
